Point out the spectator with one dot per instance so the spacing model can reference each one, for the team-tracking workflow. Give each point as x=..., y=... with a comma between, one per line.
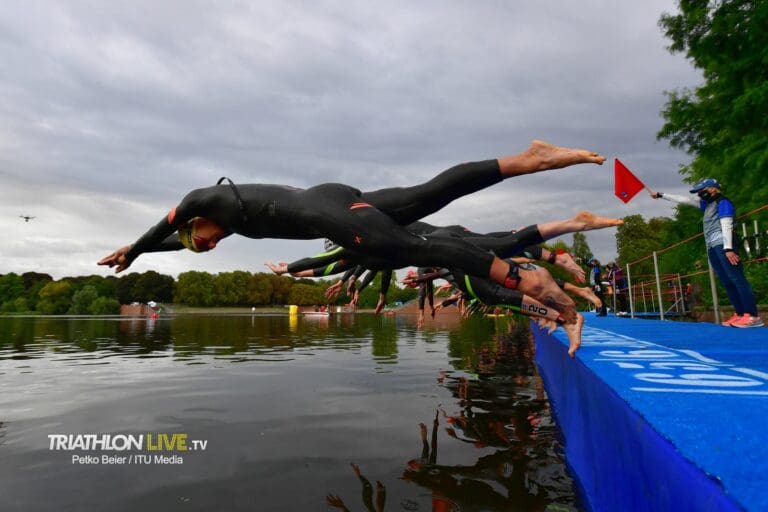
x=616, y=278
x=595, y=281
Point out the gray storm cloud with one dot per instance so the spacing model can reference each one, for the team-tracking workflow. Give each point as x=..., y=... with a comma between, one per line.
x=109, y=114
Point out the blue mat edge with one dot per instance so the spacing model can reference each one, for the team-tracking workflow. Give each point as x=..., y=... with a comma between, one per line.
x=619, y=460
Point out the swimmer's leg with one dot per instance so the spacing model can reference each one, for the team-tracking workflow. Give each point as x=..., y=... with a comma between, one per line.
x=583, y=221
x=409, y=204
x=541, y=156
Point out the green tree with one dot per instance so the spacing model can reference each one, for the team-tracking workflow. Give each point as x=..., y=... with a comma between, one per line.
x=635, y=240
x=281, y=287
x=11, y=287
x=195, y=289
x=55, y=297
x=722, y=123
x=153, y=286
x=306, y=295
x=82, y=299
x=580, y=249
x=105, y=286
x=33, y=283
x=31, y=278
x=104, y=306
x=17, y=305
x=231, y=288
x=259, y=290
x=125, y=288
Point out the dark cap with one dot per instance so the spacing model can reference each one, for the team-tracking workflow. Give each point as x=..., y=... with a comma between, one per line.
x=705, y=183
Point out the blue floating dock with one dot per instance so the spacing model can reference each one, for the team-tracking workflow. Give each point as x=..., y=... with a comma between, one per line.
x=662, y=416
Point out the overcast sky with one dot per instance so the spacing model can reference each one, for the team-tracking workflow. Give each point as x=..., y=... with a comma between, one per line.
x=111, y=112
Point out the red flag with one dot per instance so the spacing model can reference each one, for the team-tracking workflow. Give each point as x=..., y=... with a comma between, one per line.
x=626, y=184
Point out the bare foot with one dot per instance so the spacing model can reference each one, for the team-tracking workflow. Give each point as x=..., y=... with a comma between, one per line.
x=585, y=293
x=555, y=157
x=567, y=262
x=573, y=331
x=589, y=221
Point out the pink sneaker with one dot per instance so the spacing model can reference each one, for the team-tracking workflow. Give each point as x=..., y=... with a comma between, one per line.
x=748, y=321
x=730, y=321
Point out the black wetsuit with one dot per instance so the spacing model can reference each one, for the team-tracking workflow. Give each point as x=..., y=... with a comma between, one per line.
x=386, y=280
x=426, y=289
x=484, y=290
x=369, y=223
x=505, y=244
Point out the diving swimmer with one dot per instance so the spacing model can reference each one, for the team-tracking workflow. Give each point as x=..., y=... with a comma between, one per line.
x=369, y=222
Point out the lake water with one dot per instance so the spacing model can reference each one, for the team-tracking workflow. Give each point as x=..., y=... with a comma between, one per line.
x=276, y=413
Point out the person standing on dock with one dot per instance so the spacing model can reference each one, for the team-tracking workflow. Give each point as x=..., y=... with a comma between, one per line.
x=595, y=282
x=616, y=278
x=719, y=213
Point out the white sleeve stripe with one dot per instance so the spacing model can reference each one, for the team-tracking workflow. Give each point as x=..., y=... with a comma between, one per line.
x=726, y=224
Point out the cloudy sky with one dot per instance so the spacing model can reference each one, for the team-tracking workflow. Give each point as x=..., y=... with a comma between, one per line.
x=111, y=112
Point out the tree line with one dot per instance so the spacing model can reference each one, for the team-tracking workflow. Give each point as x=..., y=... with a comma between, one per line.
x=722, y=125
x=34, y=292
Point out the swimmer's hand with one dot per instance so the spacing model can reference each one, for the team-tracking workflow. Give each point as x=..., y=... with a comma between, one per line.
x=332, y=292
x=380, y=304
x=117, y=259
x=279, y=269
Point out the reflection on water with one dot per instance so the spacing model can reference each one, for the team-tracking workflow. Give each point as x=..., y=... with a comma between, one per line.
x=347, y=412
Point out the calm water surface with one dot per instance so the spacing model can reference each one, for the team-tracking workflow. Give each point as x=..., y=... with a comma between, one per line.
x=297, y=414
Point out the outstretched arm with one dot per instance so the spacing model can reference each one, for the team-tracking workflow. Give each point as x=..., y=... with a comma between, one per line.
x=160, y=237
x=318, y=260
x=674, y=198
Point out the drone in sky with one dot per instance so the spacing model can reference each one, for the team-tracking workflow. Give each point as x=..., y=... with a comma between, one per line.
x=27, y=218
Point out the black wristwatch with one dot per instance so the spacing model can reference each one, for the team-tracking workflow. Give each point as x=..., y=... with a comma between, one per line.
x=552, y=257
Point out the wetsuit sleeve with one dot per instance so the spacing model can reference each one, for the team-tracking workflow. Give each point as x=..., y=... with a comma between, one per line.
x=422, y=295
x=450, y=301
x=160, y=236
x=171, y=243
x=442, y=273
x=533, y=252
x=318, y=260
x=509, y=244
x=386, y=280
x=348, y=274
x=367, y=280
x=334, y=268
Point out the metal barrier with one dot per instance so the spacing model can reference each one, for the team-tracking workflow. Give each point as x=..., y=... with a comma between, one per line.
x=754, y=248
